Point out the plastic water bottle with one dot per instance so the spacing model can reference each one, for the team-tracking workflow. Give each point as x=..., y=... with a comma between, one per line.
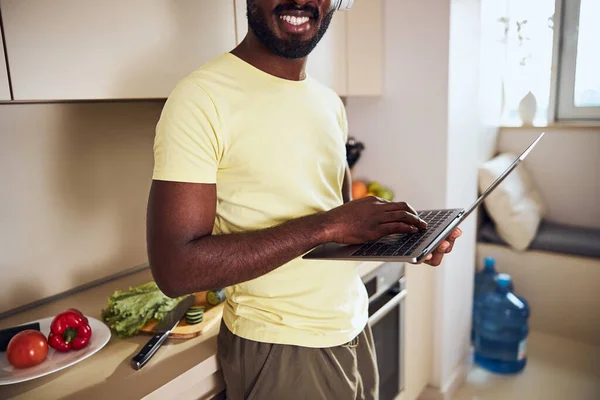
x=484, y=283
x=501, y=329
x=485, y=279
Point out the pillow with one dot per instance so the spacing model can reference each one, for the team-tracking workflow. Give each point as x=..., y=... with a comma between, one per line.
x=515, y=206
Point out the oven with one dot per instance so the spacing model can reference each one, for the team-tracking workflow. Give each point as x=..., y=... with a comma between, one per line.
x=387, y=292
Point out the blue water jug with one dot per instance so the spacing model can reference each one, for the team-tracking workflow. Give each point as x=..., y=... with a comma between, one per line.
x=501, y=329
x=484, y=283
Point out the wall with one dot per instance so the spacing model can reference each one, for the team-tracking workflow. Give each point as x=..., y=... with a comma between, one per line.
x=565, y=169
x=404, y=132
x=75, y=181
x=425, y=138
x=454, y=282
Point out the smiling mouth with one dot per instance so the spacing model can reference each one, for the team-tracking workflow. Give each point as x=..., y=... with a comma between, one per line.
x=293, y=20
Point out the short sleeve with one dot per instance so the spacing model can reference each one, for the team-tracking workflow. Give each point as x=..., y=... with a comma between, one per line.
x=187, y=145
x=344, y=121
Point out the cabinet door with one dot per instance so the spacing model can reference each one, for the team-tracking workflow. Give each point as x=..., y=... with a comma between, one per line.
x=4, y=85
x=328, y=63
x=241, y=20
x=365, y=48
x=111, y=49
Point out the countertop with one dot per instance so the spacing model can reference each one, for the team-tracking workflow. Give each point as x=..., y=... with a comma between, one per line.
x=176, y=367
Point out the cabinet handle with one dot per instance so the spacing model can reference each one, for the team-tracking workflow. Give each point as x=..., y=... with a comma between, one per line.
x=387, y=308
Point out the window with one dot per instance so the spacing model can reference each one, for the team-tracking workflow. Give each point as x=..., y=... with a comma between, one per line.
x=578, y=83
x=545, y=52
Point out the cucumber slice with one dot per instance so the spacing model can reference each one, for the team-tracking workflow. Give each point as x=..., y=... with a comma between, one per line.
x=216, y=297
x=194, y=315
x=195, y=321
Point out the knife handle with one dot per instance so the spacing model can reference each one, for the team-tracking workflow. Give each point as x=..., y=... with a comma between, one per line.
x=148, y=350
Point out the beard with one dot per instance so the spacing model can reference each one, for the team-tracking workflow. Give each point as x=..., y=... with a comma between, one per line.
x=286, y=48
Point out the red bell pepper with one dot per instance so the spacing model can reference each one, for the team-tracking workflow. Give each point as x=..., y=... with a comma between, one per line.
x=69, y=330
x=76, y=311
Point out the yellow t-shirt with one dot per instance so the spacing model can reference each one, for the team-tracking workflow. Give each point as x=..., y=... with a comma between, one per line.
x=276, y=150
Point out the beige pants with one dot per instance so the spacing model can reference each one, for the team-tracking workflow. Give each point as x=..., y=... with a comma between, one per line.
x=257, y=371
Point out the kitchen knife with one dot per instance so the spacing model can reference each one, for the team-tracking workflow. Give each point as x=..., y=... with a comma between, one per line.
x=164, y=328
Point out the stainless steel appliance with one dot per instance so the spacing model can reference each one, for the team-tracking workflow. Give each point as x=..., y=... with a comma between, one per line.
x=387, y=292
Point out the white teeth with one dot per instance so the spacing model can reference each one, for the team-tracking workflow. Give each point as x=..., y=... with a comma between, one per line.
x=294, y=20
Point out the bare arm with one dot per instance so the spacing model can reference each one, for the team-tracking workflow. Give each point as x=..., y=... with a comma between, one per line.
x=186, y=258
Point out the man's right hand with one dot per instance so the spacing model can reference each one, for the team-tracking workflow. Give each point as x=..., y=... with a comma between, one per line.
x=371, y=218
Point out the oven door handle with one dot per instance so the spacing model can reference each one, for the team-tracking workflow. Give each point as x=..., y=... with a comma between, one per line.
x=387, y=308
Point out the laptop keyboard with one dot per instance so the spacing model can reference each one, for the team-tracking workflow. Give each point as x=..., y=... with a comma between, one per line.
x=403, y=244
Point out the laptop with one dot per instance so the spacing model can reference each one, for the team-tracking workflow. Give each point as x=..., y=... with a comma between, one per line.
x=412, y=247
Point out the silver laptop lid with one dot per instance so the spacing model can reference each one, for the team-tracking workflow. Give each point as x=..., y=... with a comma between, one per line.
x=502, y=177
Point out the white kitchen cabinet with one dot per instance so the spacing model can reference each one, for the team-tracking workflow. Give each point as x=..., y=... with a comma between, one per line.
x=111, y=49
x=328, y=63
x=418, y=329
x=241, y=21
x=349, y=59
x=4, y=84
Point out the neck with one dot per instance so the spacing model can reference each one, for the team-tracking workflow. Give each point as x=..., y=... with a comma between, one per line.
x=252, y=51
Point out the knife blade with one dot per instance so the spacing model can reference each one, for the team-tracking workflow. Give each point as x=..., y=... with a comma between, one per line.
x=163, y=329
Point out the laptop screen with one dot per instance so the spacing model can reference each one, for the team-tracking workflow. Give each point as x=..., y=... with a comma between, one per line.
x=502, y=176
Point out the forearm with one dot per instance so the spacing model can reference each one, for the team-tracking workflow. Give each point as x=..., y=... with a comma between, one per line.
x=217, y=261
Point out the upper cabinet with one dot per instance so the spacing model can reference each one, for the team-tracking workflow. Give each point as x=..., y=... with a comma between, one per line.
x=4, y=85
x=111, y=49
x=241, y=21
x=140, y=49
x=349, y=58
x=328, y=63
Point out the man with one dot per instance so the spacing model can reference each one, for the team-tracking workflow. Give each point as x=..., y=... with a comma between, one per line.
x=250, y=174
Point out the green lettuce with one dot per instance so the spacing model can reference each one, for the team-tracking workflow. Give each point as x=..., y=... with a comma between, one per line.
x=128, y=311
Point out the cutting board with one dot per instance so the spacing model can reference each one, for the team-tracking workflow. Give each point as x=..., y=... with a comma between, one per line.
x=212, y=316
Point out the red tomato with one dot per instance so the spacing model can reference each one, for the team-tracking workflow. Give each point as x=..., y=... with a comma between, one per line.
x=27, y=349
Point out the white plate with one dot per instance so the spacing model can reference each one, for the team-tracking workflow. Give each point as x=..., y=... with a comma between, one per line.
x=55, y=360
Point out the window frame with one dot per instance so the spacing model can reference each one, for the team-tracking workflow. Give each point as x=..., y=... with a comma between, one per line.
x=562, y=93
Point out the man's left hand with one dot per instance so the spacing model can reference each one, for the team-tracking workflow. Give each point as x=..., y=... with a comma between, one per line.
x=434, y=259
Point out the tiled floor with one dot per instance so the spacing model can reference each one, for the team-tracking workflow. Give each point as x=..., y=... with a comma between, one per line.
x=557, y=369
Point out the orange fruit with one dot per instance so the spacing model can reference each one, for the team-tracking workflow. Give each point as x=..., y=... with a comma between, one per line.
x=359, y=190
